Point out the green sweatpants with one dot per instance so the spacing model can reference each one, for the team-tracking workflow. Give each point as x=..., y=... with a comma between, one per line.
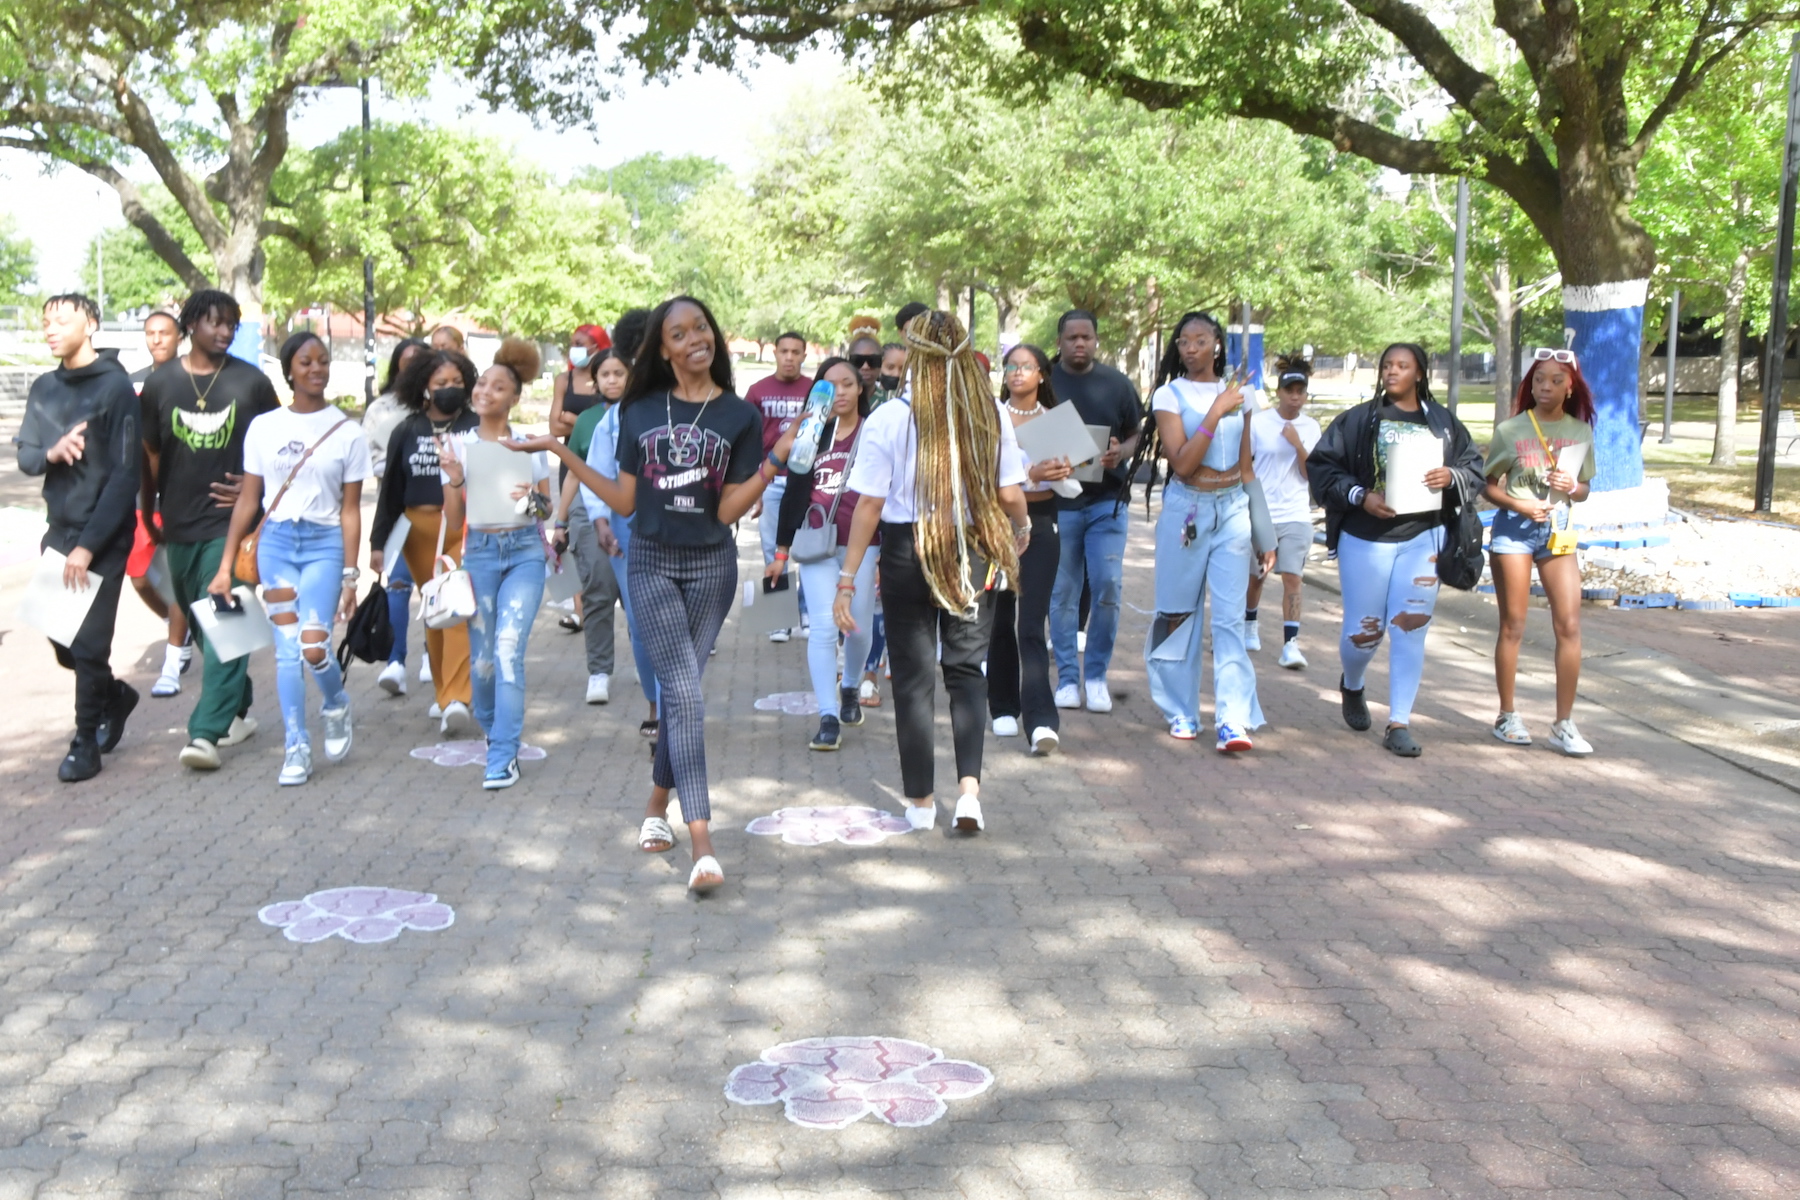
x=224, y=686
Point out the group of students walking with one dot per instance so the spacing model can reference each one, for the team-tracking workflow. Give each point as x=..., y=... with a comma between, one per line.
x=920, y=529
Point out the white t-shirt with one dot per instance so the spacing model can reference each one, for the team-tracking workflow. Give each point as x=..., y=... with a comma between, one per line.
x=1278, y=465
x=540, y=468
x=274, y=445
x=888, y=457
x=1191, y=401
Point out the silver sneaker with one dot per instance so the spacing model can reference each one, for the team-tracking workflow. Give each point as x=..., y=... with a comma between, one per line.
x=337, y=732
x=296, y=768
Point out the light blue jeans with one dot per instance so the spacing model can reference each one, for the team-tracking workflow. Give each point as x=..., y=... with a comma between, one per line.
x=621, y=527
x=1093, y=546
x=308, y=558
x=818, y=584
x=1390, y=590
x=507, y=569
x=1216, y=561
x=769, y=524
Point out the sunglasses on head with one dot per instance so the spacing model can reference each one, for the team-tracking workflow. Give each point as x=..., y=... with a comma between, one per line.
x=1548, y=355
x=859, y=361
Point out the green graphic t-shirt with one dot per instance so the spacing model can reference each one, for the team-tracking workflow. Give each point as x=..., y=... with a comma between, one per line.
x=196, y=424
x=1517, y=453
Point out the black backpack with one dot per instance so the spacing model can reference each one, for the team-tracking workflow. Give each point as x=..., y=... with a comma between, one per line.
x=370, y=634
x=1461, y=559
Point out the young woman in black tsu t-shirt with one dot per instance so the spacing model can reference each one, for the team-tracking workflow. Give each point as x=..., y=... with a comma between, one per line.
x=690, y=464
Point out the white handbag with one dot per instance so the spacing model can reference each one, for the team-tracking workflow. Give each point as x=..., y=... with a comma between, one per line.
x=448, y=597
x=816, y=543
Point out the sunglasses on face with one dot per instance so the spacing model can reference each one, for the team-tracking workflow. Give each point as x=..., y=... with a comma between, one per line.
x=863, y=361
x=1548, y=355
x=1017, y=368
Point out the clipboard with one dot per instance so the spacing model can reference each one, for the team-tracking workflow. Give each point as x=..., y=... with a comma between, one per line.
x=394, y=551
x=52, y=609
x=232, y=637
x=1090, y=470
x=1568, y=460
x=562, y=580
x=1408, y=459
x=768, y=607
x=491, y=473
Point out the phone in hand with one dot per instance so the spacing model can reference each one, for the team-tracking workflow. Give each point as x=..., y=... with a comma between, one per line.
x=780, y=583
x=228, y=605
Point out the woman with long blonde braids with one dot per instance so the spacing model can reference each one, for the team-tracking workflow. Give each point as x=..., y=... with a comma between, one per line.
x=939, y=475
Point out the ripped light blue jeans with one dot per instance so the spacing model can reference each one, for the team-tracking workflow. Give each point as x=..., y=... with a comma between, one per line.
x=307, y=558
x=507, y=568
x=1215, y=561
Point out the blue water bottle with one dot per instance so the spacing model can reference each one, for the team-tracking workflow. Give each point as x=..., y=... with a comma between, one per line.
x=812, y=423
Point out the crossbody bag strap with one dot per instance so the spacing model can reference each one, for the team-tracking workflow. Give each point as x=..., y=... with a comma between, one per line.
x=831, y=514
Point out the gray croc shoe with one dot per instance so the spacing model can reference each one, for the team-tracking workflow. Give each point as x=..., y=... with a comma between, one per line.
x=1399, y=739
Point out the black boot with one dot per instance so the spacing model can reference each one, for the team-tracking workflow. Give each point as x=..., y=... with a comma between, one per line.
x=849, y=707
x=124, y=699
x=83, y=760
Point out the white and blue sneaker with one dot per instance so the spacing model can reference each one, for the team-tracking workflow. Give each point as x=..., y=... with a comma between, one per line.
x=1232, y=740
x=1182, y=729
x=505, y=779
x=296, y=768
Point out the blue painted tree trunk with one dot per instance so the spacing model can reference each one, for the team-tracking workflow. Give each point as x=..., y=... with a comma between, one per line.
x=1604, y=325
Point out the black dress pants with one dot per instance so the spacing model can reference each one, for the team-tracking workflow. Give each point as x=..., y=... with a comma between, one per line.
x=916, y=631
x=1018, y=673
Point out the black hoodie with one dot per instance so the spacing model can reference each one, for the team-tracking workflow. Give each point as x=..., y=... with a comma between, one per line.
x=92, y=501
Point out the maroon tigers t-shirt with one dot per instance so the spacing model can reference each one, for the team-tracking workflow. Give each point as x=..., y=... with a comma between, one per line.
x=780, y=404
x=831, y=471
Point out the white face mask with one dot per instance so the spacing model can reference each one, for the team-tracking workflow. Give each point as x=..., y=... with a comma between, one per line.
x=578, y=356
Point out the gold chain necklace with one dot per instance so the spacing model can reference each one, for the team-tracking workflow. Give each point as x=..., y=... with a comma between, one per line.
x=200, y=396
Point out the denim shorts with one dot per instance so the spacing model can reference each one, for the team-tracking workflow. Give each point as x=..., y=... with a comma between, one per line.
x=1515, y=533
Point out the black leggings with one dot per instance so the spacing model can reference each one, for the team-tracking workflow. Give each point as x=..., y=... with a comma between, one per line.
x=679, y=597
x=916, y=630
x=1018, y=671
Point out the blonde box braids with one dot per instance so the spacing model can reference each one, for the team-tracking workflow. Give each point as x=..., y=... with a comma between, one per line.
x=959, y=442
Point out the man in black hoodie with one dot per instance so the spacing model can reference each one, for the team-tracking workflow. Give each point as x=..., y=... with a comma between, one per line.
x=80, y=433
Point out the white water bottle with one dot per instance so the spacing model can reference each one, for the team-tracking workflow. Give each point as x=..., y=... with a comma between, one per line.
x=812, y=424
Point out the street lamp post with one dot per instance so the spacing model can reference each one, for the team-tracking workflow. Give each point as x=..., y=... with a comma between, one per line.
x=1778, y=306
x=368, y=259
x=1668, y=434
x=1458, y=276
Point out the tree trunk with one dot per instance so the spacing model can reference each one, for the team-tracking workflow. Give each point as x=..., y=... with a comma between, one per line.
x=1725, y=435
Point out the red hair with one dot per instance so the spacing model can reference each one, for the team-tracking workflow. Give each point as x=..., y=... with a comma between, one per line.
x=1580, y=403
x=601, y=340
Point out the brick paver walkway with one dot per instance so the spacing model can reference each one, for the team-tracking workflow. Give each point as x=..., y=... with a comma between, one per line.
x=1313, y=971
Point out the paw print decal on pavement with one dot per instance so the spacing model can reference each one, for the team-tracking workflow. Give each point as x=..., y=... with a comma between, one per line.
x=357, y=914
x=470, y=753
x=851, y=824
x=833, y=1082
x=795, y=704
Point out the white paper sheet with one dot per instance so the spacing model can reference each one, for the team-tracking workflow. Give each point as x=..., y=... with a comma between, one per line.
x=52, y=609
x=1058, y=433
x=232, y=637
x=494, y=473
x=765, y=612
x=1568, y=460
x=1093, y=472
x=392, y=554
x=161, y=578
x=564, y=584
x=1408, y=459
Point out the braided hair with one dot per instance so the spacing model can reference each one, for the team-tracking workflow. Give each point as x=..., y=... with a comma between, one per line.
x=1168, y=367
x=958, y=441
x=1423, y=360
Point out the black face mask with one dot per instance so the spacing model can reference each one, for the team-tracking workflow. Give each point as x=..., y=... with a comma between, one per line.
x=888, y=383
x=450, y=399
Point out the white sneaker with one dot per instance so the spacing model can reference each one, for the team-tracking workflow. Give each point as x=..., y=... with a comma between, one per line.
x=1006, y=727
x=1044, y=741
x=968, y=814
x=921, y=816
x=779, y=635
x=1509, y=727
x=337, y=732
x=1068, y=696
x=456, y=719
x=599, y=689
x=200, y=755
x=434, y=712
x=1098, y=698
x=1252, y=636
x=296, y=768
x=1291, y=658
x=239, y=731
x=392, y=679
x=425, y=669
x=1565, y=737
